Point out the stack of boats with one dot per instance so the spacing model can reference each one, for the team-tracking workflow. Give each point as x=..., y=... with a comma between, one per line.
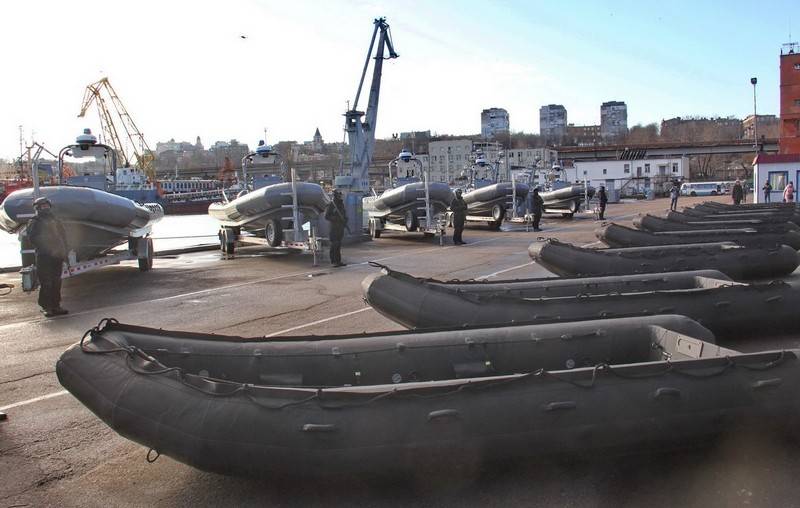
x=629, y=350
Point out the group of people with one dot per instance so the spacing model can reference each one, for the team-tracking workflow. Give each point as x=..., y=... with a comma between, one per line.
x=788, y=192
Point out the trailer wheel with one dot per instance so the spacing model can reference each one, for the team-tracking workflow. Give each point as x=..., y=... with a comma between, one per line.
x=412, y=223
x=498, y=212
x=495, y=225
x=227, y=243
x=568, y=215
x=146, y=263
x=273, y=233
x=374, y=232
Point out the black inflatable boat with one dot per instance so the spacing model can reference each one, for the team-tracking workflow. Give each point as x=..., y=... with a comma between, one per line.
x=729, y=309
x=380, y=402
x=615, y=235
x=733, y=260
x=652, y=223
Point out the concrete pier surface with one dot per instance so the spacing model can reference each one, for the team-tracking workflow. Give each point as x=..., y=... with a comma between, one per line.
x=54, y=452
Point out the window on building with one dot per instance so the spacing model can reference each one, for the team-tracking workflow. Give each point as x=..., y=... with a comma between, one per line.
x=627, y=168
x=647, y=168
x=797, y=102
x=605, y=171
x=458, y=157
x=797, y=66
x=674, y=167
x=778, y=179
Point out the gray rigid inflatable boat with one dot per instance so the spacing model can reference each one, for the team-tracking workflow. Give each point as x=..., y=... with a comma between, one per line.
x=615, y=235
x=733, y=260
x=396, y=202
x=94, y=221
x=729, y=309
x=492, y=200
x=254, y=210
x=382, y=402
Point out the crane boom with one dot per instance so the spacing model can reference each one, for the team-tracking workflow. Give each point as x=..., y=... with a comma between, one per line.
x=361, y=133
x=109, y=106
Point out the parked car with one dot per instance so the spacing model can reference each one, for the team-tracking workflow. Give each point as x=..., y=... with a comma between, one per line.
x=703, y=189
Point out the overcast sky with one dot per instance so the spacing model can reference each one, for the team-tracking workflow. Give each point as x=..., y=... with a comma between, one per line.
x=183, y=69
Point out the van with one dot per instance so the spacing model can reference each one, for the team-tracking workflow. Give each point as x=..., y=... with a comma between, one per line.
x=702, y=189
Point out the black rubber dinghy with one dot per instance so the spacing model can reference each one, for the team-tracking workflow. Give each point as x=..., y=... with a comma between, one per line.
x=652, y=223
x=615, y=235
x=750, y=206
x=761, y=220
x=739, y=263
x=771, y=216
x=731, y=310
x=381, y=402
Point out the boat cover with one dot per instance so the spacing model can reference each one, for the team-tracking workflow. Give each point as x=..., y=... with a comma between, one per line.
x=381, y=402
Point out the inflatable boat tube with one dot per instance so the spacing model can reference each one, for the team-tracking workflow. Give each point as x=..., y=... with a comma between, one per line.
x=556, y=286
x=766, y=216
x=739, y=263
x=566, y=198
x=751, y=206
x=730, y=310
x=383, y=402
x=94, y=221
x=257, y=208
x=615, y=235
x=397, y=201
x=482, y=201
x=652, y=223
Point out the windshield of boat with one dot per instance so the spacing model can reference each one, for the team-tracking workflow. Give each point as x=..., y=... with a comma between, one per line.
x=94, y=161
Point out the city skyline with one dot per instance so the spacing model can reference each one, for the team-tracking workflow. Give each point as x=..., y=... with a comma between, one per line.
x=296, y=67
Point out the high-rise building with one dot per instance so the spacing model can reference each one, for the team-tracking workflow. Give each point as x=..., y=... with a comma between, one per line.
x=494, y=121
x=613, y=119
x=553, y=122
x=789, y=142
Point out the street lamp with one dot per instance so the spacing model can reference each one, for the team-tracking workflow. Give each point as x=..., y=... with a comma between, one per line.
x=753, y=82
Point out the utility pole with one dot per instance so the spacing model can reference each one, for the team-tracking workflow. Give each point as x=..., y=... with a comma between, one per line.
x=753, y=82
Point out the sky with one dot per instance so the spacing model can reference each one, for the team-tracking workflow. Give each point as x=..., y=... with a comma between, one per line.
x=183, y=69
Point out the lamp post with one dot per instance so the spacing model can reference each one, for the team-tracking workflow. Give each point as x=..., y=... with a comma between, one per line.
x=753, y=82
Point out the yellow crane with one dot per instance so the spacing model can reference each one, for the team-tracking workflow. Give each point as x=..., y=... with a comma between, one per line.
x=109, y=107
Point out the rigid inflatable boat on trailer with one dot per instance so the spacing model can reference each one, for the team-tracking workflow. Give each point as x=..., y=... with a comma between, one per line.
x=401, y=401
x=413, y=204
x=729, y=309
x=562, y=197
x=270, y=212
x=95, y=221
x=489, y=201
x=736, y=261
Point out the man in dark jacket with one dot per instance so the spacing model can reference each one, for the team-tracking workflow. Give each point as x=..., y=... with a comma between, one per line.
x=602, y=197
x=737, y=193
x=459, y=209
x=537, y=207
x=337, y=217
x=46, y=234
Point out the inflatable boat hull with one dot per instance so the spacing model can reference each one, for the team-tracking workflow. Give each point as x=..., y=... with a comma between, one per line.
x=499, y=393
x=652, y=223
x=395, y=203
x=739, y=263
x=730, y=310
x=254, y=210
x=483, y=201
x=567, y=198
x=94, y=221
x=615, y=235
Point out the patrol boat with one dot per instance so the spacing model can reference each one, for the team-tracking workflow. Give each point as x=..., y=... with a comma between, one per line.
x=95, y=221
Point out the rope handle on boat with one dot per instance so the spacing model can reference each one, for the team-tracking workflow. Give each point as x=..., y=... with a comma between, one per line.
x=150, y=458
x=379, y=265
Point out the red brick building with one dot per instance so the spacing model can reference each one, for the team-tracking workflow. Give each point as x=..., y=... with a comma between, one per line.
x=790, y=99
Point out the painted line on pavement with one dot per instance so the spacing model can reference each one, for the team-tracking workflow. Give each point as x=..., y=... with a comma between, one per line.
x=319, y=321
x=35, y=399
x=494, y=274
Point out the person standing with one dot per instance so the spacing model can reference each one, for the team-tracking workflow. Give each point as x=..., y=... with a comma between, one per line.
x=767, y=188
x=459, y=208
x=603, y=198
x=537, y=207
x=788, y=193
x=737, y=193
x=674, y=192
x=336, y=215
x=46, y=234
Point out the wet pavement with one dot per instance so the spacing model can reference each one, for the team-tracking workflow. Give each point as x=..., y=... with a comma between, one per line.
x=54, y=452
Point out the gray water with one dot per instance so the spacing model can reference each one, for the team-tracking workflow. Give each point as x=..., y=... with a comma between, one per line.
x=171, y=232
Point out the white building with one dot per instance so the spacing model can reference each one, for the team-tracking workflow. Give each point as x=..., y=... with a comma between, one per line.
x=779, y=170
x=494, y=121
x=631, y=176
x=447, y=159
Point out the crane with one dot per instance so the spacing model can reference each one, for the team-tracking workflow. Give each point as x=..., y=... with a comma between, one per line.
x=361, y=133
x=118, y=134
